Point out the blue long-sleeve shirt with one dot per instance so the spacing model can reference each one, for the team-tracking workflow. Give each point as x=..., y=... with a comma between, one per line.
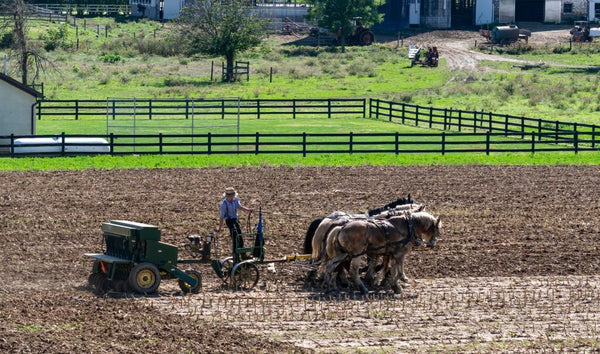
x=229, y=210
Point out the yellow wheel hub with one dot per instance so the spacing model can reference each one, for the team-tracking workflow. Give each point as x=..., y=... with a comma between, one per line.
x=146, y=278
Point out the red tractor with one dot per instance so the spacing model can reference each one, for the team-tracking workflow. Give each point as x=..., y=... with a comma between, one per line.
x=361, y=35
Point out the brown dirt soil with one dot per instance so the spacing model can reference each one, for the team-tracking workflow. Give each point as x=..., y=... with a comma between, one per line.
x=517, y=265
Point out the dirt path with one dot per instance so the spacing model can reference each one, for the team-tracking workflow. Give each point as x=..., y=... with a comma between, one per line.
x=457, y=46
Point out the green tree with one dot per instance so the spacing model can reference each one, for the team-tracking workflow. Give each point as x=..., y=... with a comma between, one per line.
x=337, y=15
x=220, y=27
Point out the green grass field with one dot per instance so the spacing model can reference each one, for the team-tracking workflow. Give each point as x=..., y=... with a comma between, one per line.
x=142, y=59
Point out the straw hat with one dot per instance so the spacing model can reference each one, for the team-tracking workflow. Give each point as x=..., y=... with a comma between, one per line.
x=229, y=191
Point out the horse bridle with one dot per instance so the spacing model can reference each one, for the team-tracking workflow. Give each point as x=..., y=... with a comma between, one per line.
x=414, y=237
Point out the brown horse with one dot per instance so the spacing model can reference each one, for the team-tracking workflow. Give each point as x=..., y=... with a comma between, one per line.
x=394, y=237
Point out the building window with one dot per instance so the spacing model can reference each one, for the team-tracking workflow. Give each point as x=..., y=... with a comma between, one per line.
x=567, y=8
x=597, y=10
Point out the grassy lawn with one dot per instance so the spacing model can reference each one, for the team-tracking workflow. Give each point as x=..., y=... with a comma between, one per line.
x=105, y=58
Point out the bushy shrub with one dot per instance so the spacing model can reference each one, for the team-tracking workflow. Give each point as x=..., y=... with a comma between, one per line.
x=110, y=58
x=59, y=37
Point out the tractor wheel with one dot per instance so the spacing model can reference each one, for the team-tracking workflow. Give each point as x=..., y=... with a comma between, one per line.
x=226, y=269
x=366, y=37
x=245, y=276
x=186, y=288
x=144, y=278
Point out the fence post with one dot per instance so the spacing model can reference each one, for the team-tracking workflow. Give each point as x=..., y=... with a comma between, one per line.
x=593, y=136
x=209, y=143
x=390, y=113
x=304, y=144
x=430, y=116
x=487, y=143
x=539, y=129
x=329, y=108
x=575, y=138
x=114, y=109
x=364, y=108
x=187, y=108
x=39, y=110
x=506, y=125
x=459, y=120
x=489, y=120
x=443, y=143
x=222, y=108
x=112, y=143
x=256, y=143
x=556, y=127
x=76, y=109
x=150, y=109
x=12, y=144
x=62, y=144
x=403, y=112
x=533, y=142
x=258, y=108
x=474, y=122
x=370, y=105
x=293, y=108
x=160, y=143
x=417, y=116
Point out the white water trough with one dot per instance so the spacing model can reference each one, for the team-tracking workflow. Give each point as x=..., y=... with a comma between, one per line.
x=54, y=145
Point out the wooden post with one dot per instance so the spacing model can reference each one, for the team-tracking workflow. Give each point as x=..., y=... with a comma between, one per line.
x=256, y=143
x=304, y=144
x=443, y=143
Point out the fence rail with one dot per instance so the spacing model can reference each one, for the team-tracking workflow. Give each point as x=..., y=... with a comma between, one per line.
x=479, y=121
x=302, y=143
x=185, y=108
x=462, y=131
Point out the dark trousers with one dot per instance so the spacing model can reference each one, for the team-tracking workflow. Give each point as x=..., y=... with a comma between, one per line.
x=235, y=231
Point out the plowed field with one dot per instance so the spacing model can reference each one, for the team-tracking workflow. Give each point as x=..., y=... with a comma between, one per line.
x=517, y=266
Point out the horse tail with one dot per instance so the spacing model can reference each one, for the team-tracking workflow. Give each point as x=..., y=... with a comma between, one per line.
x=310, y=234
x=332, y=241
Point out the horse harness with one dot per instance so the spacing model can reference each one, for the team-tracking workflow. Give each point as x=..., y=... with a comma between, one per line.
x=385, y=227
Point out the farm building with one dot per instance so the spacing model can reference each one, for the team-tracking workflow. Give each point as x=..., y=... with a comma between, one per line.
x=16, y=112
x=442, y=14
x=400, y=14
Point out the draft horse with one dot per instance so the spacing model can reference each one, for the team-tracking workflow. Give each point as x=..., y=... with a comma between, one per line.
x=394, y=237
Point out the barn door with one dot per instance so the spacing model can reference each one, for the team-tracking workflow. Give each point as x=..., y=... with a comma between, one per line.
x=414, y=12
x=462, y=13
x=484, y=11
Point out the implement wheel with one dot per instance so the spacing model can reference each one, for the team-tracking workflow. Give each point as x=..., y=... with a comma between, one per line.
x=245, y=276
x=186, y=288
x=144, y=278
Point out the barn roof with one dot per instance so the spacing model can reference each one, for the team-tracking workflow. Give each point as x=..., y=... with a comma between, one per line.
x=20, y=86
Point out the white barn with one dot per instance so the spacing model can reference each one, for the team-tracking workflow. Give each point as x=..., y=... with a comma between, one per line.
x=17, y=114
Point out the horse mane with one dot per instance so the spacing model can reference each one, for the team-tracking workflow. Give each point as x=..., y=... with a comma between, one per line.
x=391, y=205
x=425, y=219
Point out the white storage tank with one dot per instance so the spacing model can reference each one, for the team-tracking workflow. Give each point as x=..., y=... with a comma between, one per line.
x=54, y=145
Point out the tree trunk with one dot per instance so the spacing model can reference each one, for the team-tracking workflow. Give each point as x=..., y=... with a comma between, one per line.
x=229, y=74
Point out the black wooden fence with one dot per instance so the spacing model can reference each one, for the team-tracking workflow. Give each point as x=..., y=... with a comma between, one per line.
x=302, y=143
x=462, y=131
x=479, y=121
x=187, y=107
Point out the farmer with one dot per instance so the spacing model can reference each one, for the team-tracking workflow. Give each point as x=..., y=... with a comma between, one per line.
x=228, y=212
